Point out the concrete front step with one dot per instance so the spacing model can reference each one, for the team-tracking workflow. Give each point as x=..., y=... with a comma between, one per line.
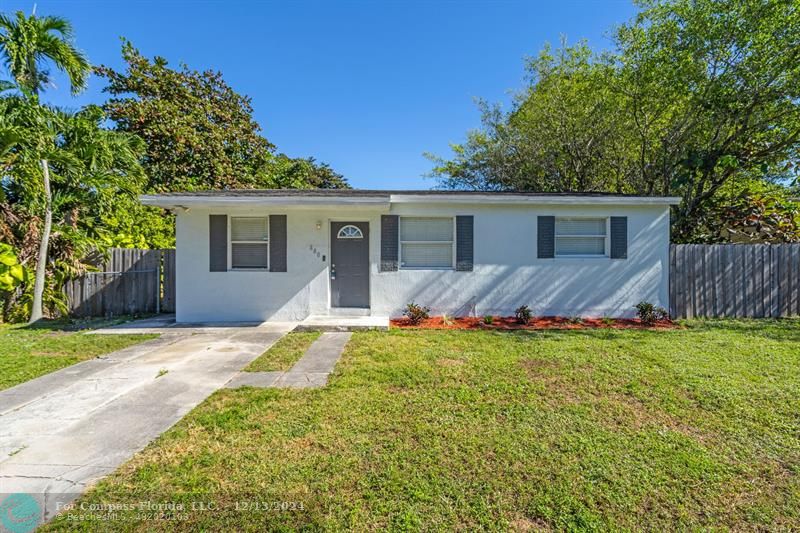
x=349, y=311
x=343, y=323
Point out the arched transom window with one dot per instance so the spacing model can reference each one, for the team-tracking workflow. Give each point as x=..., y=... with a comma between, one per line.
x=350, y=232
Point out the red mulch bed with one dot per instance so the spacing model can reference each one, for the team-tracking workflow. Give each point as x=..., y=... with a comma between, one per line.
x=541, y=322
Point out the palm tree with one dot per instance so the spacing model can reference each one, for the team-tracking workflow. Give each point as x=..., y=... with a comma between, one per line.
x=27, y=44
x=91, y=168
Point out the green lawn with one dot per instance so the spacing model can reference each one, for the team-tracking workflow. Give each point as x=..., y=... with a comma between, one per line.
x=284, y=353
x=592, y=429
x=29, y=352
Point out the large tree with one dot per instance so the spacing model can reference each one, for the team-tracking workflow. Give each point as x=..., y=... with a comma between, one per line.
x=698, y=94
x=564, y=132
x=199, y=132
x=28, y=45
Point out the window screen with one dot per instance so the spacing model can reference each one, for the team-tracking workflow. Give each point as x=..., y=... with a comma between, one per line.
x=249, y=242
x=581, y=236
x=426, y=242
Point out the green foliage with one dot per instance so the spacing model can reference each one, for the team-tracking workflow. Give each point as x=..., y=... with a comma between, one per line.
x=416, y=313
x=565, y=132
x=26, y=42
x=299, y=173
x=488, y=319
x=95, y=173
x=649, y=314
x=749, y=211
x=523, y=314
x=12, y=273
x=696, y=94
x=133, y=225
x=200, y=133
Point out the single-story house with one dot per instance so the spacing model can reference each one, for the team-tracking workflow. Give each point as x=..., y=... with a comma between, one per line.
x=257, y=255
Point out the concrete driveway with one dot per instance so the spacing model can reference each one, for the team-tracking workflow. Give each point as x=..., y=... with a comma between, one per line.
x=63, y=431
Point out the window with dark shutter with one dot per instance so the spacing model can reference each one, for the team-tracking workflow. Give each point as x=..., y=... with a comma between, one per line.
x=426, y=242
x=249, y=243
x=581, y=237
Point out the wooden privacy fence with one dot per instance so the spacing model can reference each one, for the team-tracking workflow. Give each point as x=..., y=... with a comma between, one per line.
x=132, y=281
x=734, y=280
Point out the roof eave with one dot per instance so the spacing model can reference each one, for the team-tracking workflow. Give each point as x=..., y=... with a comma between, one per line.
x=178, y=201
x=187, y=201
x=516, y=199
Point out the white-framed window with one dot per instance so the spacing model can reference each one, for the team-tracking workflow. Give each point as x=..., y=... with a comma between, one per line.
x=427, y=242
x=582, y=237
x=350, y=232
x=249, y=243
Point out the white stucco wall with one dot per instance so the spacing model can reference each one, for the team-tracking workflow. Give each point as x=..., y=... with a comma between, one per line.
x=506, y=271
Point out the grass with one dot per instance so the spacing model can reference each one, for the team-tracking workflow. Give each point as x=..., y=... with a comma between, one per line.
x=584, y=429
x=284, y=353
x=27, y=352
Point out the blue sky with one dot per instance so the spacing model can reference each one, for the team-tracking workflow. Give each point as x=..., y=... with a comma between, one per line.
x=365, y=86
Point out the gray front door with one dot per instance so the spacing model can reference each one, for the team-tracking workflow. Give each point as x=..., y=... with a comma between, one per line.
x=350, y=264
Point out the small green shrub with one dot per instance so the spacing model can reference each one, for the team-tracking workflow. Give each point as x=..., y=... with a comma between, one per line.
x=649, y=314
x=12, y=273
x=488, y=319
x=416, y=313
x=523, y=314
x=607, y=321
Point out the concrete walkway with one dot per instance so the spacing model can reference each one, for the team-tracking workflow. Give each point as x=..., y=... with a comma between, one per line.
x=63, y=431
x=312, y=370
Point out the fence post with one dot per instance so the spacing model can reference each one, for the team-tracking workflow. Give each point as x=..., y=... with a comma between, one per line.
x=158, y=282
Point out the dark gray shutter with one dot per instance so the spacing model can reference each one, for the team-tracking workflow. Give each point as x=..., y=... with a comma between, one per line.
x=277, y=243
x=218, y=243
x=464, y=243
x=619, y=237
x=389, y=245
x=546, y=237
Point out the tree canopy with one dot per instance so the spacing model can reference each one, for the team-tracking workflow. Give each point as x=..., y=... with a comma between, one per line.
x=696, y=95
x=199, y=132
